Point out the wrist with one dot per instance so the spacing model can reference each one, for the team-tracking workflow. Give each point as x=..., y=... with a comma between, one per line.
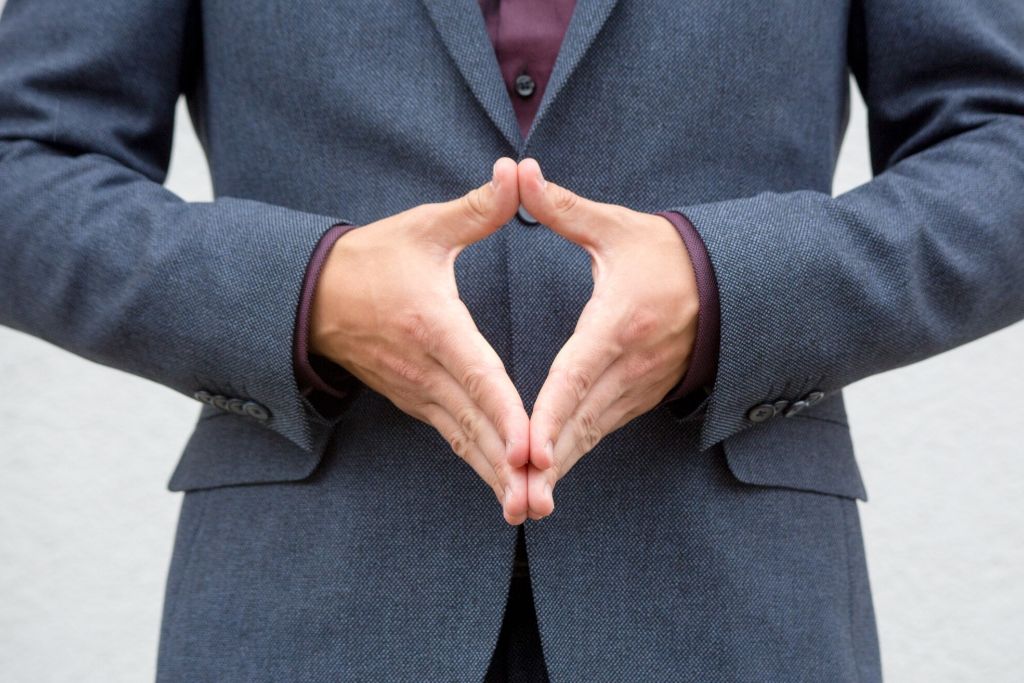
x=703, y=364
x=323, y=320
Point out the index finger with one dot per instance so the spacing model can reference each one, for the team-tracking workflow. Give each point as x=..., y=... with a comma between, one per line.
x=474, y=363
x=576, y=369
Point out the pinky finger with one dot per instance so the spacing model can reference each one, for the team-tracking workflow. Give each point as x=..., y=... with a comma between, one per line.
x=448, y=427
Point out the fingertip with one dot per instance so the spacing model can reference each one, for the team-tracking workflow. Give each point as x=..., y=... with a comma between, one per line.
x=541, y=497
x=514, y=514
x=544, y=457
x=543, y=506
x=504, y=169
x=541, y=449
x=515, y=503
x=517, y=452
x=530, y=173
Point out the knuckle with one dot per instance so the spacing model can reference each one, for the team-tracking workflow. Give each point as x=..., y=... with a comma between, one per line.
x=548, y=417
x=587, y=432
x=577, y=380
x=407, y=371
x=413, y=325
x=640, y=325
x=586, y=420
x=474, y=378
x=376, y=356
x=565, y=200
x=430, y=385
x=469, y=420
x=474, y=205
x=459, y=443
x=641, y=365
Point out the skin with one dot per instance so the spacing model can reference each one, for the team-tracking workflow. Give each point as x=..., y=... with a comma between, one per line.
x=387, y=309
x=634, y=337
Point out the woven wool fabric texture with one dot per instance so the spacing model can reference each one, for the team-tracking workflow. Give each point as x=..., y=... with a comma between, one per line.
x=351, y=544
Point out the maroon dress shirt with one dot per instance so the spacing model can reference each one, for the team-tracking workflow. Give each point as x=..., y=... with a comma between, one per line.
x=526, y=35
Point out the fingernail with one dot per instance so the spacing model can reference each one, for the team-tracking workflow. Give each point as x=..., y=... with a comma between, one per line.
x=508, y=495
x=494, y=176
x=549, y=448
x=540, y=174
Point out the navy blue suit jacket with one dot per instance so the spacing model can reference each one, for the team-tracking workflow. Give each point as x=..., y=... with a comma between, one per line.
x=721, y=543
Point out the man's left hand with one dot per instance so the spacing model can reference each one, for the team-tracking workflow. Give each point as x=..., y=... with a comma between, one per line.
x=633, y=341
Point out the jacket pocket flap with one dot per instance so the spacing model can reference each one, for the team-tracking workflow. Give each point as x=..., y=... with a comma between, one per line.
x=802, y=453
x=226, y=450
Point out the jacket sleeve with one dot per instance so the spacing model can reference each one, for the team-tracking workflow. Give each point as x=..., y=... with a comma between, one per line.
x=97, y=257
x=817, y=292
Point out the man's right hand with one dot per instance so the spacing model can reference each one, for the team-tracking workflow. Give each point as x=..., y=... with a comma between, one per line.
x=387, y=309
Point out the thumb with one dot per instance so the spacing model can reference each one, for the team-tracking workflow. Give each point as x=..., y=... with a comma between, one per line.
x=571, y=216
x=480, y=212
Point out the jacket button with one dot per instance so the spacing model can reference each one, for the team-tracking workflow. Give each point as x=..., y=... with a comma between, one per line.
x=813, y=398
x=525, y=216
x=256, y=411
x=220, y=402
x=202, y=396
x=762, y=412
x=237, y=406
x=795, y=408
x=780, y=406
x=525, y=85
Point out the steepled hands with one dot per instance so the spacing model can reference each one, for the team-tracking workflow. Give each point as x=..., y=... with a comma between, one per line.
x=388, y=310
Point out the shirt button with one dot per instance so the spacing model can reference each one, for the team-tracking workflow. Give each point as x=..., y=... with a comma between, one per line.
x=525, y=85
x=525, y=216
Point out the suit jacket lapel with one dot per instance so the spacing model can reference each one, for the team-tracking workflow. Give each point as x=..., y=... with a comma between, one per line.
x=587, y=19
x=463, y=32
x=461, y=26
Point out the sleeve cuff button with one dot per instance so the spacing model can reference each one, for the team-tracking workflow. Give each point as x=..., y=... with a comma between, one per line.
x=761, y=412
x=256, y=411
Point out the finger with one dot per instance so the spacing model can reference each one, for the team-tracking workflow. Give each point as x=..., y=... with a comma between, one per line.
x=480, y=212
x=508, y=484
x=516, y=500
x=462, y=445
x=587, y=354
x=467, y=356
x=510, y=489
x=595, y=417
x=573, y=217
x=447, y=392
x=540, y=487
x=607, y=407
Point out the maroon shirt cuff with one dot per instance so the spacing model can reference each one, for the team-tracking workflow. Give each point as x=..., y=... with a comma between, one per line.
x=315, y=373
x=704, y=360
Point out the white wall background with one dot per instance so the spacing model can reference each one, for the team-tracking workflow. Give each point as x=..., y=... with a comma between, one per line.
x=86, y=525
